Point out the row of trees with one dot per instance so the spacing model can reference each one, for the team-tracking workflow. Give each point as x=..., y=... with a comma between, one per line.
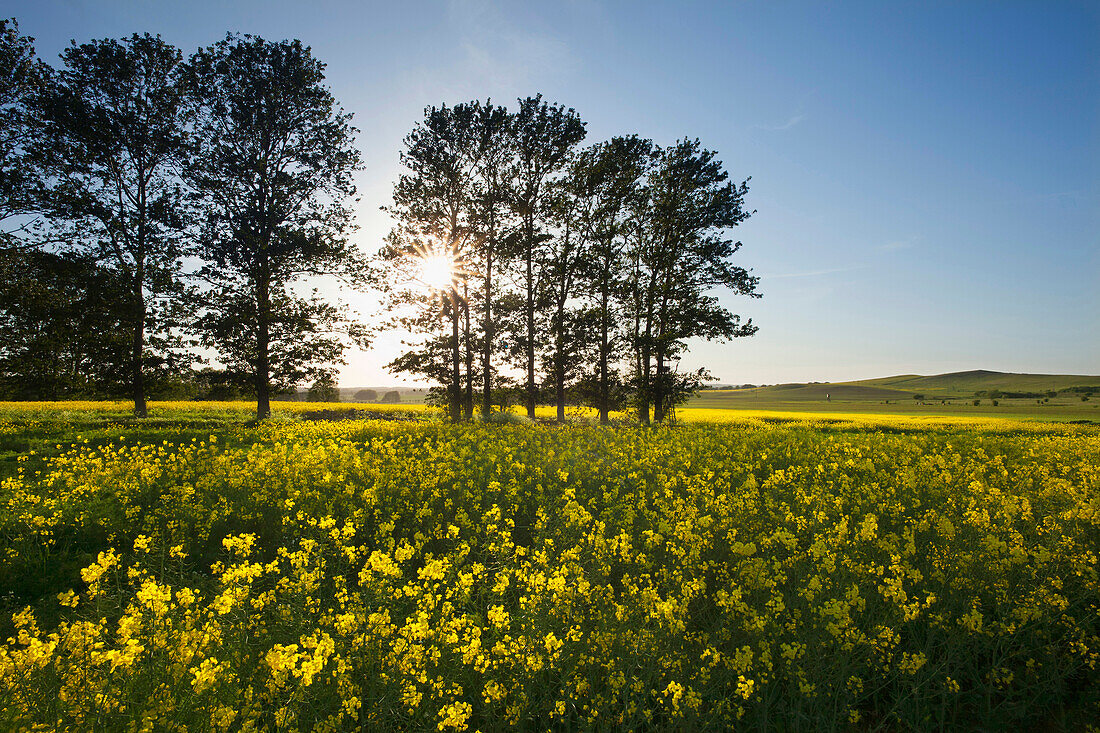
x=581, y=268
x=152, y=204
x=198, y=190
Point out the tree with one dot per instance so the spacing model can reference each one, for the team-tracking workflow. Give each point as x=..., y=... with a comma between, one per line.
x=220, y=384
x=366, y=395
x=494, y=173
x=63, y=326
x=427, y=249
x=681, y=256
x=324, y=389
x=563, y=255
x=274, y=161
x=545, y=136
x=115, y=141
x=608, y=179
x=24, y=80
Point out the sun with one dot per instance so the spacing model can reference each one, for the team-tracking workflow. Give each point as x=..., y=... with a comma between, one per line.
x=437, y=271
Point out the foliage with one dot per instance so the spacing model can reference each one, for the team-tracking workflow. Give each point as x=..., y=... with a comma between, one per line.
x=805, y=576
x=115, y=141
x=323, y=390
x=682, y=257
x=575, y=259
x=274, y=161
x=433, y=209
x=545, y=139
x=63, y=327
x=23, y=81
x=607, y=180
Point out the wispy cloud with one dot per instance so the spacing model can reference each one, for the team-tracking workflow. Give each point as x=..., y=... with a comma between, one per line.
x=898, y=244
x=813, y=273
x=791, y=122
x=501, y=54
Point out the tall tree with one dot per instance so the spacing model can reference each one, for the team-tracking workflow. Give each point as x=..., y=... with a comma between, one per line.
x=683, y=255
x=564, y=253
x=275, y=156
x=116, y=139
x=24, y=79
x=545, y=136
x=433, y=206
x=608, y=178
x=494, y=172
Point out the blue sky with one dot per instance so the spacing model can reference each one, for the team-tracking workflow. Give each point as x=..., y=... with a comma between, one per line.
x=926, y=175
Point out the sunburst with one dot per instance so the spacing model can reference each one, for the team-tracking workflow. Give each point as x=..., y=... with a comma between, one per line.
x=437, y=268
x=437, y=271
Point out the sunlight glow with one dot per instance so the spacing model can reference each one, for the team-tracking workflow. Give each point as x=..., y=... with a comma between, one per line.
x=437, y=271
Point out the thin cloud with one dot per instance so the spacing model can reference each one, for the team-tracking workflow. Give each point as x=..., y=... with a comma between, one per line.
x=499, y=53
x=813, y=273
x=898, y=244
x=786, y=125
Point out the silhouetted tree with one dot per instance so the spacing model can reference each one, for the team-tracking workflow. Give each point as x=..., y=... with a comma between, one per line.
x=608, y=180
x=544, y=136
x=64, y=322
x=115, y=141
x=324, y=389
x=274, y=162
x=682, y=255
x=433, y=202
x=493, y=181
x=559, y=251
x=24, y=80
x=563, y=256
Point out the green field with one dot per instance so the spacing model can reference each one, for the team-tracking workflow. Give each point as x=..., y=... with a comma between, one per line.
x=745, y=569
x=966, y=383
x=943, y=395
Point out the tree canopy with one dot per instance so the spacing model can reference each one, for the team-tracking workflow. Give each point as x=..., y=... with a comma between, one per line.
x=593, y=268
x=211, y=196
x=115, y=142
x=274, y=156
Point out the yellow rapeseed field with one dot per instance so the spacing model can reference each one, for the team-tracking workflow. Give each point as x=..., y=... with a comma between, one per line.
x=753, y=570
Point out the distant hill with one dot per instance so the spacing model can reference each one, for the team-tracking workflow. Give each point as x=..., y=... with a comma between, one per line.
x=967, y=383
x=803, y=393
x=902, y=387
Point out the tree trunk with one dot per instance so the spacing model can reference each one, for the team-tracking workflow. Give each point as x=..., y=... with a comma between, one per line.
x=659, y=396
x=646, y=376
x=662, y=381
x=532, y=395
x=263, y=347
x=605, y=386
x=456, y=360
x=559, y=363
x=486, y=365
x=468, y=397
x=141, y=409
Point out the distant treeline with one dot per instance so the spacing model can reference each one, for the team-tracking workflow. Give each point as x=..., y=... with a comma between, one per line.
x=166, y=219
x=1082, y=390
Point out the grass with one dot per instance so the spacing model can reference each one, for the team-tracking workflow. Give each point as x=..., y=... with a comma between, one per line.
x=966, y=383
x=1058, y=409
x=943, y=395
